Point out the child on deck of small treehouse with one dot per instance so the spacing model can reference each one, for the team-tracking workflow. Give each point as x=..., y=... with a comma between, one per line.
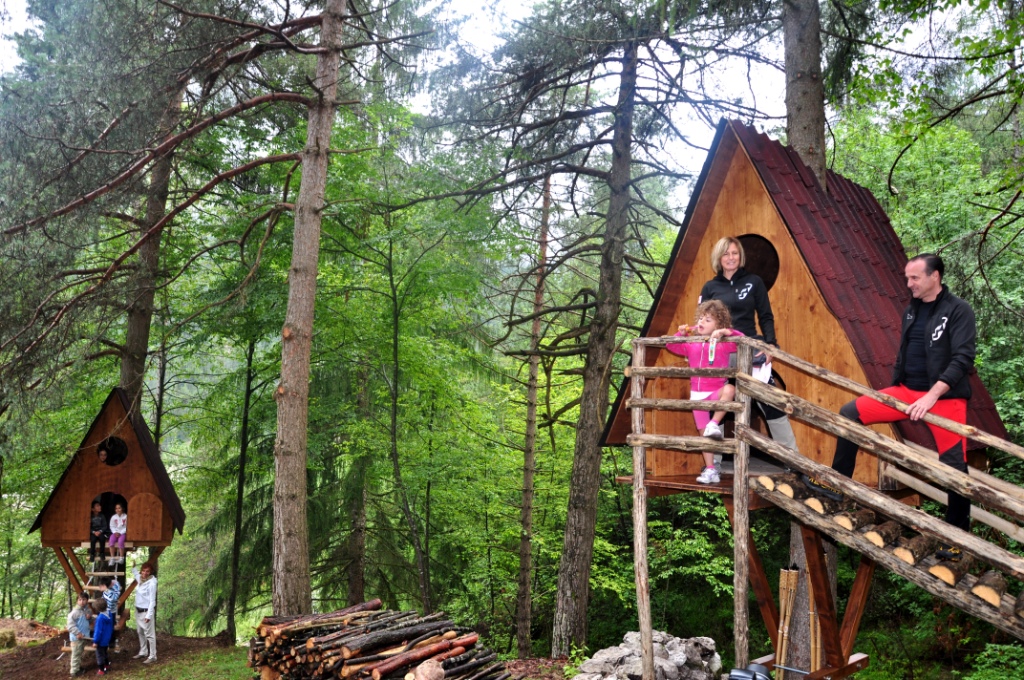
x=711, y=320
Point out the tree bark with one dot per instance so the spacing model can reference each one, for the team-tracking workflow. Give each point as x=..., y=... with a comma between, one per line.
x=355, y=545
x=243, y=454
x=524, y=594
x=143, y=288
x=805, y=127
x=805, y=94
x=570, y=622
x=403, y=495
x=291, y=580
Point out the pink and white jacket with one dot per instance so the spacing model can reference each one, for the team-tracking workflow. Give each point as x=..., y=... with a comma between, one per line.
x=698, y=354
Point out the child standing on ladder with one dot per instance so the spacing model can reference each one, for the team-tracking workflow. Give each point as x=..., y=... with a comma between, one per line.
x=118, y=529
x=711, y=320
x=97, y=532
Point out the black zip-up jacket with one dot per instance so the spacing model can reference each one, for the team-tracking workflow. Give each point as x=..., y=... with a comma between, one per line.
x=951, y=337
x=99, y=523
x=745, y=295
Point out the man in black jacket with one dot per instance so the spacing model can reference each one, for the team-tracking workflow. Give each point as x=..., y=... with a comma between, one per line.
x=933, y=365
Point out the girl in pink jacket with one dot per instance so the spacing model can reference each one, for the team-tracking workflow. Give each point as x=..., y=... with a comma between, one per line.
x=712, y=320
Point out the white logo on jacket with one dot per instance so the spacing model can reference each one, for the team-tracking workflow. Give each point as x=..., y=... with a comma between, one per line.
x=937, y=333
x=744, y=291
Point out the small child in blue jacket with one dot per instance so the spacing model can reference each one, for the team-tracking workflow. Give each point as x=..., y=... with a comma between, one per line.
x=101, y=635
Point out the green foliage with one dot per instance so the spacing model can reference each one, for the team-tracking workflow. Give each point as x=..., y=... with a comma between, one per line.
x=996, y=662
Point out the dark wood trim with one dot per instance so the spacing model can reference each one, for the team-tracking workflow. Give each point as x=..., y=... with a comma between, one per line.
x=856, y=603
x=817, y=572
x=62, y=558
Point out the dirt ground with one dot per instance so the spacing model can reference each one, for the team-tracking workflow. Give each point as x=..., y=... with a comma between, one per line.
x=45, y=660
x=537, y=669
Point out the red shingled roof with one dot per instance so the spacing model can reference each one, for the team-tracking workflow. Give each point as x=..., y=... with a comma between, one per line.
x=855, y=257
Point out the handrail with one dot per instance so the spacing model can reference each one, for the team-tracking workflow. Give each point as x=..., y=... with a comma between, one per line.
x=842, y=381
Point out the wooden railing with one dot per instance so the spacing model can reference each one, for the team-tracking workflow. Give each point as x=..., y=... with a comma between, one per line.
x=928, y=475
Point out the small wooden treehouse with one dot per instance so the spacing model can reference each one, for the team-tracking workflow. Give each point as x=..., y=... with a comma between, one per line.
x=129, y=471
x=834, y=270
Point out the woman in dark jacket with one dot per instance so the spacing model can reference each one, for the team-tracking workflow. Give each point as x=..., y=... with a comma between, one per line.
x=747, y=299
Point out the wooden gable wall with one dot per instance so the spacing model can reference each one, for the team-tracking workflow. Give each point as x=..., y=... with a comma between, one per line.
x=66, y=517
x=803, y=322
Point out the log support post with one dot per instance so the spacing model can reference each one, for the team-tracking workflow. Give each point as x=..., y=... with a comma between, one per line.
x=759, y=582
x=741, y=523
x=643, y=595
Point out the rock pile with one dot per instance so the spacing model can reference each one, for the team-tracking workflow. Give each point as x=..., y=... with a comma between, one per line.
x=674, y=659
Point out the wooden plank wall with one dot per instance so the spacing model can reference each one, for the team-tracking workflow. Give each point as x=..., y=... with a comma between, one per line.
x=66, y=521
x=804, y=324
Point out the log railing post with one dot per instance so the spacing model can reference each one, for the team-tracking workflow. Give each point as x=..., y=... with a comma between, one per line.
x=643, y=596
x=741, y=520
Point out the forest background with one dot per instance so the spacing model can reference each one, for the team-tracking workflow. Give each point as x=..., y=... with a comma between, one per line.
x=151, y=158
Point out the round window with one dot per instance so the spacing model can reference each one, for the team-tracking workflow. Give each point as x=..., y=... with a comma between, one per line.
x=762, y=258
x=112, y=451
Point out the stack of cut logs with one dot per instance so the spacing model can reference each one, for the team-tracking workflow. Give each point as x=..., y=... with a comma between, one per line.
x=364, y=642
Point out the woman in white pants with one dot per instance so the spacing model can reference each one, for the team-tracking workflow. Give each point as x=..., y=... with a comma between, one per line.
x=145, y=611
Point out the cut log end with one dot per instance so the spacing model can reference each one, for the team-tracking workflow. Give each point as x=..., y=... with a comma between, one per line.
x=949, y=572
x=884, y=534
x=823, y=506
x=767, y=482
x=915, y=549
x=990, y=587
x=855, y=519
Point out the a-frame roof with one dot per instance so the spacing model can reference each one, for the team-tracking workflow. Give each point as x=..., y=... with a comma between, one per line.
x=150, y=454
x=849, y=248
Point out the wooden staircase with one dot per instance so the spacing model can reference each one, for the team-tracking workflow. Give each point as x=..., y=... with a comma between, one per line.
x=883, y=542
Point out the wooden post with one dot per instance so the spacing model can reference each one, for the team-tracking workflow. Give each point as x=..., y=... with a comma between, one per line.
x=741, y=521
x=817, y=574
x=643, y=601
x=72, y=578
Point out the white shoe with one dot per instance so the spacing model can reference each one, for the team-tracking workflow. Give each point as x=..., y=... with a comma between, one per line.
x=709, y=476
x=713, y=431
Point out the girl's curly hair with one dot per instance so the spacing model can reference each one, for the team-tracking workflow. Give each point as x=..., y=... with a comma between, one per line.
x=717, y=310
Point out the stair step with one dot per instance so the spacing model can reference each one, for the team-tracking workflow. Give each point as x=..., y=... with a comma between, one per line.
x=959, y=596
x=104, y=573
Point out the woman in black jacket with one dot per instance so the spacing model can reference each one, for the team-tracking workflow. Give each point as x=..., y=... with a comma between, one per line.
x=747, y=299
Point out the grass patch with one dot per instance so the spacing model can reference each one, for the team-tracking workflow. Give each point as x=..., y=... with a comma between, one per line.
x=223, y=663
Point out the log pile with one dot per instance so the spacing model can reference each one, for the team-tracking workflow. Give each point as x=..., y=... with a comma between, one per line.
x=366, y=642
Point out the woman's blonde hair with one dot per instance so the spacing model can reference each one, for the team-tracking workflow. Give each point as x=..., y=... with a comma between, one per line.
x=717, y=310
x=719, y=251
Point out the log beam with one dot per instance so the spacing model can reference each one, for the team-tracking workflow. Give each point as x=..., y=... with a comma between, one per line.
x=675, y=443
x=914, y=458
x=960, y=596
x=916, y=520
x=684, y=405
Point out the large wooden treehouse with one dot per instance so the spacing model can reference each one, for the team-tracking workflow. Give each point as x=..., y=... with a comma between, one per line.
x=129, y=472
x=834, y=269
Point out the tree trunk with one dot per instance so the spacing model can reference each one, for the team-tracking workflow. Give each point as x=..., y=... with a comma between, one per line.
x=805, y=95
x=291, y=581
x=143, y=288
x=524, y=595
x=805, y=126
x=403, y=495
x=355, y=544
x=243, y=454
x=161, y=393
x=570, y=624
